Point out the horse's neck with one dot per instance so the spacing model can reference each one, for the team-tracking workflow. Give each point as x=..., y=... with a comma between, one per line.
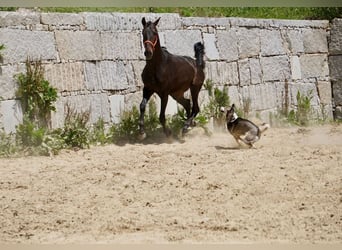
x=157, y=55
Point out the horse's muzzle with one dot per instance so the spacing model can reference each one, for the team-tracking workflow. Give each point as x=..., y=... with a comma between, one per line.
x=148, y=55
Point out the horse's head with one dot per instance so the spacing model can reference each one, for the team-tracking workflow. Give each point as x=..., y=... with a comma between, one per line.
x=150, y=37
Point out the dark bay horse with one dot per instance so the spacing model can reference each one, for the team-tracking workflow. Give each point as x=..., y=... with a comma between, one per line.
x=167, y=74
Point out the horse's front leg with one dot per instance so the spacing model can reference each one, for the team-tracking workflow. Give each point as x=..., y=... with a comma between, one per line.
x=162, y=119
x=146, y=96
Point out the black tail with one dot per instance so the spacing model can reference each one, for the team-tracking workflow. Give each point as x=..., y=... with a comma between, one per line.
x=199, y=54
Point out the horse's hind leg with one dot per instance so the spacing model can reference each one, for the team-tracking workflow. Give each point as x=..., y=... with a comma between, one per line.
x=162, y=119
x=147, y=93
x=179, y=97
x=195, y=89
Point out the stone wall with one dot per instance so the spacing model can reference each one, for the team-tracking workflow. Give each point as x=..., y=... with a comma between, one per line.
x=335, y=65
x=95, y=60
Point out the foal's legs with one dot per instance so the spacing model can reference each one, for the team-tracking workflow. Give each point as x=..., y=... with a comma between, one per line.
x=147, y=93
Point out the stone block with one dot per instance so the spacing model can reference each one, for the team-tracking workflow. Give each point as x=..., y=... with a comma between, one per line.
x=161, y=40
x=133, y=100
x=65, y=77
x=264, y=96
x=279, y=91
x=203, y=98
x=234, y=95
x=305, y=89
x=255, y=70
x=121, y=45
x=271, y=43
x=11, y=19
x=315, y=41
x=129, y=21
x=326, y=112
x=250, y=22
x=97, y=104
x=210, y=46
x=11, y=115
x=335, y=67
x=275, y=68
x=293, y=41
x=168, y=21
x=99, y=107
x=21, y=44
x=295, y=68
x=279, y=23
x=335, y=44
x=227, y=44
x=244, y=94
x=99, y=21
x=8, y=82
x=338, y=113
x=181, y=42
x=274, y=95
x=78, y=45
x=117, y=107
x=58, y=19
x=314, y=65
x=244, y=72
x=138, y=67
x=324, y=92
x=109, y=75
x=248, y=42
x=261, y=96
x=205, y=21
x=222, y=72
x=337, y=92
x=58, y=116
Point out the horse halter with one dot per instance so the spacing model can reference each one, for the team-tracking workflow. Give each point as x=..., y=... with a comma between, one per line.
x=152, y=43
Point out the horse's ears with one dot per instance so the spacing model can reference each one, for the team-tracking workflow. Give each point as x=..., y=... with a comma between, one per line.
x=233, y=107
x=156, y=22
x=143, y=21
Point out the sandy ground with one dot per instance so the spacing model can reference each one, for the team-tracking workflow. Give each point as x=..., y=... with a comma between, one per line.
x=203, y=190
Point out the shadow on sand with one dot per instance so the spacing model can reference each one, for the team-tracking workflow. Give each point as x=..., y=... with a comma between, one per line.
x=227, y=148
x=156, y=139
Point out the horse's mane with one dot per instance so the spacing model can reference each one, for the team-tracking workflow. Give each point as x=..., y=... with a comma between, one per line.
x=165, y=49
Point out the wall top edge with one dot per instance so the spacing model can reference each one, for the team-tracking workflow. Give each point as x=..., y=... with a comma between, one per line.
x=35, y=17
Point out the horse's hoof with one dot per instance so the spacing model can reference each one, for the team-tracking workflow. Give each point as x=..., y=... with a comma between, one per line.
x=168, y=132
x=186, y=130
x=142, y=136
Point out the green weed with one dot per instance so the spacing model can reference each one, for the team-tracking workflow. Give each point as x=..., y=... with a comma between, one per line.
x=75, y=132
x=97, y=133
x=302, y=115
x=128, y=129
x=217, y=99
x=7, y=144
x=36, y=95
x=2, y=47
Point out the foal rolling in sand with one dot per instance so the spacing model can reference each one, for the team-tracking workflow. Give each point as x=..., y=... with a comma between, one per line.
x=243, y=129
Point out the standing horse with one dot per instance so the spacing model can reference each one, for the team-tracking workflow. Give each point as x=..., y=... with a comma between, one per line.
x=167, y=74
